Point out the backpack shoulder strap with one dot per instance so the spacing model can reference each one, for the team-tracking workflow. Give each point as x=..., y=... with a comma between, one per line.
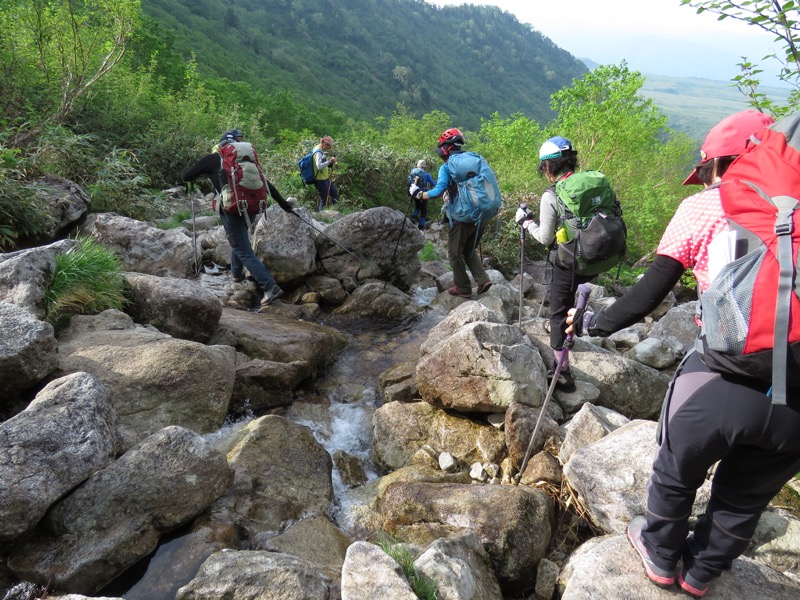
x=786, y=206
x=564, y=213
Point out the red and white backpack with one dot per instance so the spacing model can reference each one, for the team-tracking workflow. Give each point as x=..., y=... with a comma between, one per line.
x=246, y=190
x=751, y=311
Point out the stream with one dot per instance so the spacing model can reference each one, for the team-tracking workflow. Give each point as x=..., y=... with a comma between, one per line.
x=337, y=407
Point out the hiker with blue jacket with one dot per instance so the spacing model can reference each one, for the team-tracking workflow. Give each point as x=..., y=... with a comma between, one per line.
x=236, y=225
x=422, y=179
x=463, y=237
x=558, y=160
x=711, y=416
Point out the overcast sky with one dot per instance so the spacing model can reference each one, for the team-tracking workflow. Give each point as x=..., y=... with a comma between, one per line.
x=655, y=36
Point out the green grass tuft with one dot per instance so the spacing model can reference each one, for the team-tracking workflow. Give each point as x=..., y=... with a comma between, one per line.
x=430, y=252
x=424, y=587
x=87, y=280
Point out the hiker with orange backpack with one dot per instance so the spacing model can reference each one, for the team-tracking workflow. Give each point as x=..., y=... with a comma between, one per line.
x=734, y=401
x=241, y=192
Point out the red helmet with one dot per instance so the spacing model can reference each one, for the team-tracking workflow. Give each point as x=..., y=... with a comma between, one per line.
x=451, y=136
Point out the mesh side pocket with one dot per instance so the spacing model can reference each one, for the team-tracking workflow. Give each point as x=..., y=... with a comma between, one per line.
x=727, y=304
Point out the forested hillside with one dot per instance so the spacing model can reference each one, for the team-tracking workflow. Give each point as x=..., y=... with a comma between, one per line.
x=362, y=57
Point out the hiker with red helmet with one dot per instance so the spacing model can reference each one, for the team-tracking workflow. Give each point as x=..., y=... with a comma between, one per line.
x=323, y=173
x=465, y=235
x=710, y=414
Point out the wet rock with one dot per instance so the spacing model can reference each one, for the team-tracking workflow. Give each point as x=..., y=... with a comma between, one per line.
x=117, y=516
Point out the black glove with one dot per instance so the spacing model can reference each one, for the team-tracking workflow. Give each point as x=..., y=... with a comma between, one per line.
x=582, y=321
x=522, y=215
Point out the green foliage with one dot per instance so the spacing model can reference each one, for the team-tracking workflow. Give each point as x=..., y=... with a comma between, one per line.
x=367, y=174
x=780, y=20
x=430, y=252
x=617, y=131
x=121, y=187
x=21, y=216
x=624, y=275
x=511, y=146
x=286, y=45
x=86, y=281
x=62, y=152
x=403, y=555
x=58, y=50
x=406, y=131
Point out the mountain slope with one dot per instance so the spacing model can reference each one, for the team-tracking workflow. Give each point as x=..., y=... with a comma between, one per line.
x=364, y=56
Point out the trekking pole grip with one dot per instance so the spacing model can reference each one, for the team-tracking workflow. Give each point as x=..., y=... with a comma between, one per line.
x=583, y=298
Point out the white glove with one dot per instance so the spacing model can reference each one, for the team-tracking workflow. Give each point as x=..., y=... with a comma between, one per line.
x=414, y=191
x=522, y=215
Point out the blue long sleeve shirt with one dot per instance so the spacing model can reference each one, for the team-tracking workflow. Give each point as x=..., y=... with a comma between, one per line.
x=442, y=181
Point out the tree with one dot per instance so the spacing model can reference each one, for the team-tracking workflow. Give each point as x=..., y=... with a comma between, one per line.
x=776, y=18
x=60, y=48
x=624, y=135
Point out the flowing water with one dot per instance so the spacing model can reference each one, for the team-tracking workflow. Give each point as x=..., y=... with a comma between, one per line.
x=337, y=407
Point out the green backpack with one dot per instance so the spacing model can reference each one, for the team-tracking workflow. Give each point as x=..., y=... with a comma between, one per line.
x=592, y=238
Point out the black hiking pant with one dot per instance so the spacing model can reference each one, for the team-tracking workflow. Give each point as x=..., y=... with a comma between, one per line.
x=709, y=417
x=563, y=286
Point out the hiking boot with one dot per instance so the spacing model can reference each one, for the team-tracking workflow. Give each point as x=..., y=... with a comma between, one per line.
x=454, y=291
x=565, y=382
x=273, y=294
x=690, y=585
x=661, y=577
x=484, y=287
x=237, y=278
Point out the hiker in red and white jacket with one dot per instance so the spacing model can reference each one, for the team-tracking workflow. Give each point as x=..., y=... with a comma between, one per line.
x=707, y=416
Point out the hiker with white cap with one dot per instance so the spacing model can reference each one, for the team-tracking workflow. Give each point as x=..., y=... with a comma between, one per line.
x=424, y=180
x=568, y=214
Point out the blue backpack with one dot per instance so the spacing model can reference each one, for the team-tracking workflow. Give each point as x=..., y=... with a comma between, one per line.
x=478, y=198
x=306, y=165
x=422, y=182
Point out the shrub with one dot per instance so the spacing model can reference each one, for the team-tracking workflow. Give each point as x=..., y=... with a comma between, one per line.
x=86, y=281
x=21, y=215
x=121, y=187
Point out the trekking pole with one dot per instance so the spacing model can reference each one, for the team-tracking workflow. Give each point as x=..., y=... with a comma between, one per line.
x=330, y=184
x=402, y=226
x=549, y=285
x=583, y=297
x=318, y=230
x=523, y=206
x=189, y=188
